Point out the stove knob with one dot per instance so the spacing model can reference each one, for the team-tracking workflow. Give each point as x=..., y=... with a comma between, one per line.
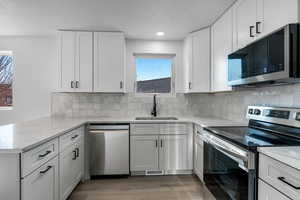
x=257, y=112
x=250, y=111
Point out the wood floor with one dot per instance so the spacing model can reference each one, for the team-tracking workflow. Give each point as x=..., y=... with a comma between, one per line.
x=143, y=188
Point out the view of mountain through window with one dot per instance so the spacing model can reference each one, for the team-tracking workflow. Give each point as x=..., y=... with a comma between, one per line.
x=6, y=79
x=154, y=75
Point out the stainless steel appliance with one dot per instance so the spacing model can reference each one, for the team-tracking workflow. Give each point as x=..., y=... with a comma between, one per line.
x=272, y=59
x=109, y=149
x=230, y=153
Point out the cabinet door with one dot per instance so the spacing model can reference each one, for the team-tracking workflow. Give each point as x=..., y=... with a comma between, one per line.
x=199, y=158
x=78, y=163
x=42, y=183
x=221, y=48
x=71, y=168
x=67, y=61
x=84, y=62
x=245, y=21
x=272, y=15
x=109, y=62
x=144, y=153
x=200, y=68
x=266, y=192
x=173, y=153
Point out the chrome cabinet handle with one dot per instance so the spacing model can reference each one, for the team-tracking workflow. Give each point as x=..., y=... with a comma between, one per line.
x=161, y=143
x=47, y=169
x=74, y=155
x=282, y=179
x=156, y=143
x=45, y=154
x=77, y=84
x=121, y=84
x=190, y=85
x=257, y=27
x=251, y=28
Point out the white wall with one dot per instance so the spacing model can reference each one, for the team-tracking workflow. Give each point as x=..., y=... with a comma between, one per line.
x=35, y=65
x=154, y=47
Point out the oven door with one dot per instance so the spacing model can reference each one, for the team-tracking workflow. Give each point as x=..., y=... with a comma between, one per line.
x=225, y=177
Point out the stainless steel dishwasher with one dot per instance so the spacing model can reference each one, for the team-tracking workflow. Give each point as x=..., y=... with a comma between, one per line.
x=109, y=149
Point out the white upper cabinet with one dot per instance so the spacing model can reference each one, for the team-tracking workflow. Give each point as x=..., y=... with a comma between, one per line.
x=84, y=62
x=273, y=14
x=245, y=16
x=221, y=42
x=76, y=61
x=197, y=59
x=256, y=18
x=109, y=62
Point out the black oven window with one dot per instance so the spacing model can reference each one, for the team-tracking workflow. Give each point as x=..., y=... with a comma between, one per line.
x=223, y=176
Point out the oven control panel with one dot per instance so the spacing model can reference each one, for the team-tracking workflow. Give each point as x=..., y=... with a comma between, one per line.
x=277, y=115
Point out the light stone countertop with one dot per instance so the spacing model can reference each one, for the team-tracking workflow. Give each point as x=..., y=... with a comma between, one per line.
x=287, y=155
x=20, y=137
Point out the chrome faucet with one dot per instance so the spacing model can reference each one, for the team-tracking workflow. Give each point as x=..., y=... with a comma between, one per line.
x=154, y=109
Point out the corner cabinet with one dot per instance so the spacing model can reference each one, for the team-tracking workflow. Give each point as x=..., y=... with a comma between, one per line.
x=221, y=47
x=76, y=62
x=197, y=61
x=109, y=62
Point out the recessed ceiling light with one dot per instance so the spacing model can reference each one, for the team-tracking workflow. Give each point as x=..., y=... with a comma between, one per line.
x=160, y=33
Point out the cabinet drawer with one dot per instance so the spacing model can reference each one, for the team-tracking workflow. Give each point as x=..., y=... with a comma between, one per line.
x=70, y=138
x=36, y=157
x=144, y=129
x=42, y=184
x=174, y=129
x=266, y=192
x=282, y=177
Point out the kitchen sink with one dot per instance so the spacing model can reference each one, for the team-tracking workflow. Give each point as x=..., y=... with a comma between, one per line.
x=156, y=118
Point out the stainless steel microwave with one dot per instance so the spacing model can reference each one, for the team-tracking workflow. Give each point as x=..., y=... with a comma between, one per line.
x=272, y=59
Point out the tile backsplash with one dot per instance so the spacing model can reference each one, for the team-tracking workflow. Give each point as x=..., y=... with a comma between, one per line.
x=116, y=105
x=222, y=105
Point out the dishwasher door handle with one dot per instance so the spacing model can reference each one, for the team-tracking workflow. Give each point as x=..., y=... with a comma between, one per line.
x=97, y=131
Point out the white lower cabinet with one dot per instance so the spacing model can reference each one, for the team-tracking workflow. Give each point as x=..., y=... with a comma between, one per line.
x=71, y=168
x=162, y=154
x=266, y=192
x=199, y=159
x=144, y=153
x=173, y=153
x=198, y=153
x=42, y=183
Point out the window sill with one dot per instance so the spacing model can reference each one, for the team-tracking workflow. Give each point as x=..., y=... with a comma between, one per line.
x=6, y=108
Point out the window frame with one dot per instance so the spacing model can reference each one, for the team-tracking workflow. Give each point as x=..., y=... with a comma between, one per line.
x=173, y=75
x=9, y=53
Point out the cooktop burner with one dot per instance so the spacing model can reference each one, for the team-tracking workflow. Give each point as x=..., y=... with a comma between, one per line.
x=252, y=138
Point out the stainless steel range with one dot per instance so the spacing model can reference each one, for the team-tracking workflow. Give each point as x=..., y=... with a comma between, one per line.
x=230, y=153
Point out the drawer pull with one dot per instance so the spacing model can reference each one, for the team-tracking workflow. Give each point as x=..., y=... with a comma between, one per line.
x=47, y=169
x=45, y=154
x=75, y=136
x=286, y=182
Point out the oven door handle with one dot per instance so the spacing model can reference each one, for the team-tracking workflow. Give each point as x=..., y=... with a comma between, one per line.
x=239, y=159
